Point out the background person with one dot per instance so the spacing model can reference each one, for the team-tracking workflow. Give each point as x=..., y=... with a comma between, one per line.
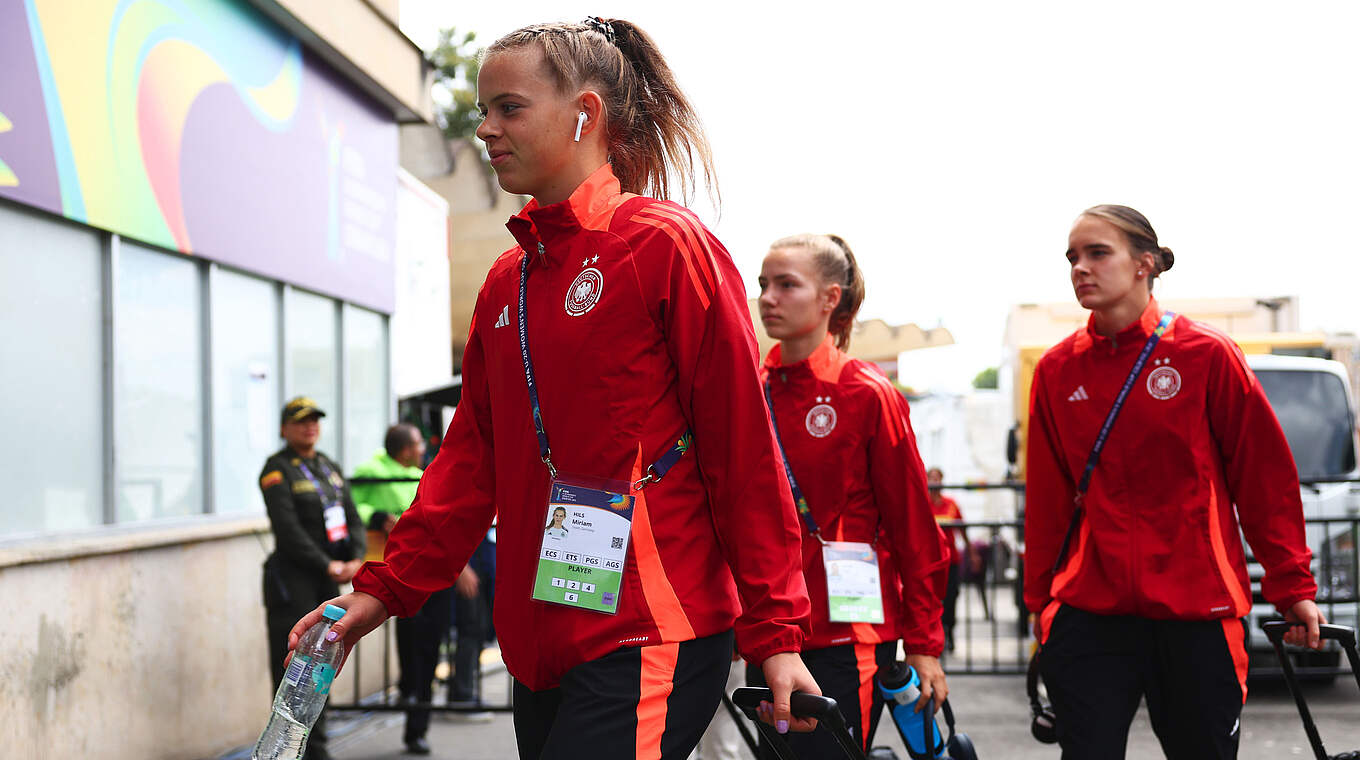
x=318, y=537
x=1149, y=597
x=946, y=509
x=846, y=433
x=419, y=636
x=473, y=604
x=627, y=320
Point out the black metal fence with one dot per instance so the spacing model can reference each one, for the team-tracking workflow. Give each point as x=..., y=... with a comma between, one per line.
x=385, y=698
x=992, y=630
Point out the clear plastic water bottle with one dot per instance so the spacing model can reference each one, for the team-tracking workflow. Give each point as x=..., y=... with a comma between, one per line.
x=901, y=687
x=303, y=691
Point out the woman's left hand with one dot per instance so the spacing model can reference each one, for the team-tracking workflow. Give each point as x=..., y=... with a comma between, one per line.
x=1306, y=613
x=933, y=682
x=785, y=673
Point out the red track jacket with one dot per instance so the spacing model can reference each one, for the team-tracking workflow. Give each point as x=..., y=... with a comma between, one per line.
x=847, y=433
x=1160, y=537
x=658, y=340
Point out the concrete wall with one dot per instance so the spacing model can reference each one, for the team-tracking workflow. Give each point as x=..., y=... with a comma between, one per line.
x=144, y=645
x=363, y=34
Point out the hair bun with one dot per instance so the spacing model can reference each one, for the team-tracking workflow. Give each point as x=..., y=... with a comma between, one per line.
x=1168, y=258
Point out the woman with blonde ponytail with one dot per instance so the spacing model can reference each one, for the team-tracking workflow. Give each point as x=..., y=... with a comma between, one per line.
x=859, y=484
x=610, y=372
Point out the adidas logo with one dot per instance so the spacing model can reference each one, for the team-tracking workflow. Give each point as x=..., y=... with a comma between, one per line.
x=504, y=319
x=1079, y=394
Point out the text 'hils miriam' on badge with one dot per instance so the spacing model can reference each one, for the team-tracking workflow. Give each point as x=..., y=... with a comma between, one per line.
x=852, y=584
x=585, y=545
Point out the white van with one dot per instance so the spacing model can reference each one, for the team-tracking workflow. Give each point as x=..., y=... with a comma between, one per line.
x=1312, y=400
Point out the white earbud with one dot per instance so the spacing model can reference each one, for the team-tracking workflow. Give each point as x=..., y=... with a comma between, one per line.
x=580, y=122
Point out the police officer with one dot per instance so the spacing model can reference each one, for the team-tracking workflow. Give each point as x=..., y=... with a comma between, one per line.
x=318, y=537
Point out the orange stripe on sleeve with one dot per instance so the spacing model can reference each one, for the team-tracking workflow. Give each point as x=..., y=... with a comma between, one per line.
x=669, y=616
x=868, y=667
x=694, y=232
x=1236, y=636
x=1241, y=604
x=685, y=252
x=656, y=682
x=897, y=427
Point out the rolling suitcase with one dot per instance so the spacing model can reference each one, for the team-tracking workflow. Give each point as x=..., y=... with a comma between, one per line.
x=828, y=715
x=1275, y=631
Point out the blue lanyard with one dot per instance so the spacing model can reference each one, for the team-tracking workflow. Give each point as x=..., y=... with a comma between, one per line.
x=1104, y=433
x=798, y=499
x=321, y=494
x=1094, y=457
x=655, y=471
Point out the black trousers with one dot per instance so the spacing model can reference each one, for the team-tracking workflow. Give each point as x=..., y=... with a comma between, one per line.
x=1191, y=672
x=473, y=624
x=418, y=640
x=846, y=673
x=951, y=599
x=649, y=703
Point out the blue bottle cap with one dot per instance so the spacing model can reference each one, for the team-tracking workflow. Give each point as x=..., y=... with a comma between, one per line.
x=333, y=613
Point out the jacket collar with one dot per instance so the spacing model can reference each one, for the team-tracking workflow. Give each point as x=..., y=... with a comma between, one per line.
x=825, y=363
x=590, y=206
x=1134, y=333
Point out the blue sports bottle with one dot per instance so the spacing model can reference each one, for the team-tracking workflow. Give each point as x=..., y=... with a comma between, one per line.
x=901, y=687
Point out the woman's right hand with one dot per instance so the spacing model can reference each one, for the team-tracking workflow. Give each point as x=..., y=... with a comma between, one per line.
x=363, y=613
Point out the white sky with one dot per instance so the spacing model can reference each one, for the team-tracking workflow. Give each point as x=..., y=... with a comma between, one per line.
x=952, y=144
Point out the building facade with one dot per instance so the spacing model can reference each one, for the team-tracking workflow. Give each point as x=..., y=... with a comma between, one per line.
x=201, y=215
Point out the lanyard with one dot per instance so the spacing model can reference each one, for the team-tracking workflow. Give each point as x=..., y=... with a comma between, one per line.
x=1104, y=433
x=315, y=484
x=798, y=499
x=655, y=471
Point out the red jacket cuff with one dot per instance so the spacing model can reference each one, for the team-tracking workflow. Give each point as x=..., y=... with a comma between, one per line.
x=376, y=580
x=790, y=640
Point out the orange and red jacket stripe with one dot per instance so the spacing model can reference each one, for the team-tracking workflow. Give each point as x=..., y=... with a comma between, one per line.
x=666, y=345
x=847, y=433
x=1160, y=535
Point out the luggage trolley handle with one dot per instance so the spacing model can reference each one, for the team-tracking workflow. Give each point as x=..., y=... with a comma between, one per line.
x=1275, y=631
x=802, y=705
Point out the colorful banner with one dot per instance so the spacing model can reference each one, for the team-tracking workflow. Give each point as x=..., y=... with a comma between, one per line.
x=200, y=126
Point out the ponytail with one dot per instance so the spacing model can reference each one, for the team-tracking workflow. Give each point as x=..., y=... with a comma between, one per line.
x=834, y=263
x=852, y=295
x=654, y=134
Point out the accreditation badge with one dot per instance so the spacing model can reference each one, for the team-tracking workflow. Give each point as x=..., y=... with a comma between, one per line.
x=336, y=527
x=585, y=544
x=852, y=584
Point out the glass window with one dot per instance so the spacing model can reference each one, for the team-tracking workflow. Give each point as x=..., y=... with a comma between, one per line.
x=1313, y=411
x=245, y=336
x=365, y=384
x=312, y=360
x=50, y=374
x=158, y=386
